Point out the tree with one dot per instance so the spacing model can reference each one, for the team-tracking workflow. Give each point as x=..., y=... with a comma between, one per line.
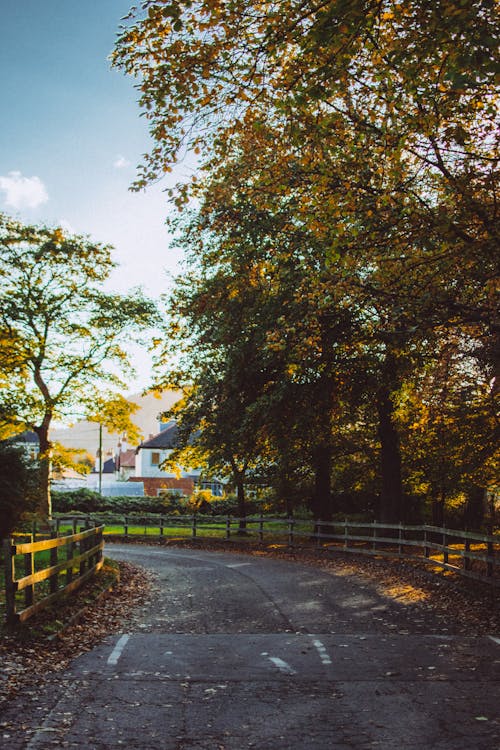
x=448, y=415
x=376, y=123
x=221, y=374
x=64, y=335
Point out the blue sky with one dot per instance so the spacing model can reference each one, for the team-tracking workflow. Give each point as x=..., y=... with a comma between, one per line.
x=71, y=136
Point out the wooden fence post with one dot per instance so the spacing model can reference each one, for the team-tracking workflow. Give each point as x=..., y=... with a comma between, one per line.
x=193, y=526
x=445, y=551
x=53, y=561
x=374, y=535
x=290, y=522
x=29, y=569
x=125, y=526
x=467, y=560
x=346, y=533
x=261, y=527
x=70, y=553
x=427, y=550
x=317, y=533
x=228, y=527
x=82, y=549
x=489, y=562
x=162, y=521
x=10, y=591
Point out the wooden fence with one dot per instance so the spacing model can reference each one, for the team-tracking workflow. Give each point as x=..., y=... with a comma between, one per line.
x=55, y=577
x=467, y=553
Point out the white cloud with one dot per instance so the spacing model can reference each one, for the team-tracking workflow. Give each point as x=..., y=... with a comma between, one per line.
x=120, y=162
x=23, y=192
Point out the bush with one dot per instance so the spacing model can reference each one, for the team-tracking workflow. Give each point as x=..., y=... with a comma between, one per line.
x=88, y=501
x=82, y=500
x=19, y=479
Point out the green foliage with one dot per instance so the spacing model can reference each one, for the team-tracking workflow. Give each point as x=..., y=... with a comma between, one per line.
x=88, y=501
x=18, y=484
x=345, y=237
x=61, y=335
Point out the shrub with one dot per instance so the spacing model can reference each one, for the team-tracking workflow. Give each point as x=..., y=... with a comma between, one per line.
x=19, y=480
x=88, y=501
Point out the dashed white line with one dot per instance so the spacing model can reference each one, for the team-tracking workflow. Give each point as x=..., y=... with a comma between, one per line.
x=118, y=650
x=323, y=653
x=237, y=565
x=280, y=664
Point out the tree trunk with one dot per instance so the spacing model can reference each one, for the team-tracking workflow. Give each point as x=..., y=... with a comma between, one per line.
x=437, y=508
x=391, y=501
x=321, y=504
x=475, y=508
x=44, y=509
x=240, y=495
x=284, y=491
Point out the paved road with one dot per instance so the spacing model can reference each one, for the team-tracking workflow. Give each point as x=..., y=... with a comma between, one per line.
x=246, y=652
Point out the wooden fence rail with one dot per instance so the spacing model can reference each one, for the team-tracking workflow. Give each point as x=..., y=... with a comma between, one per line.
x=467, y=553
x=83, y=558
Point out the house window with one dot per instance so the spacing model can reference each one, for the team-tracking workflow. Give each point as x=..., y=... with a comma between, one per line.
x=155, y=459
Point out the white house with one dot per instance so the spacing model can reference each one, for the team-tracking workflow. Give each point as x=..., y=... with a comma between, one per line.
x=150, y=454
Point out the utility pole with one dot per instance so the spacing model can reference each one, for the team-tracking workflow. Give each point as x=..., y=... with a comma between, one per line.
x=100, y=458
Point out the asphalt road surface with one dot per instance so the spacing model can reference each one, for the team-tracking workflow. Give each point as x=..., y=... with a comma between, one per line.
x=243, y=652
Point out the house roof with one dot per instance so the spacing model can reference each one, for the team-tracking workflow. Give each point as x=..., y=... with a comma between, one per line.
x=165, y=439
x=25, y=437
x=108, y=466
x=127, y=458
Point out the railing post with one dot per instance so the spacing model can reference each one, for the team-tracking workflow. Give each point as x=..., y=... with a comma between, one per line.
x=193, y=526
x=445, y=551
x=53, y=561
x=97, y=540
x=374, y=535
x=125, y=526
x=489, y=562
x=162, y=521
x=228, y=527
x=345, y=533
x=261, y=527
x=29, y=569
x=70, y=553
x=10, y=589
x=467, y=561
x=427, y=550
x=400, y=538
x=290, y=522
x=82, y=548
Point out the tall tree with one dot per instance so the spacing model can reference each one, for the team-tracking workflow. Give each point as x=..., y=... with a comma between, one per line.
x=376, y=121
x=65, y=333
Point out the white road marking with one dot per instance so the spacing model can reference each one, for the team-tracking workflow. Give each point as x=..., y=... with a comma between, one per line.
x=118, y=650
x=237, y=565
x=282, y=665
x=496, y=640
x=321, y=649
